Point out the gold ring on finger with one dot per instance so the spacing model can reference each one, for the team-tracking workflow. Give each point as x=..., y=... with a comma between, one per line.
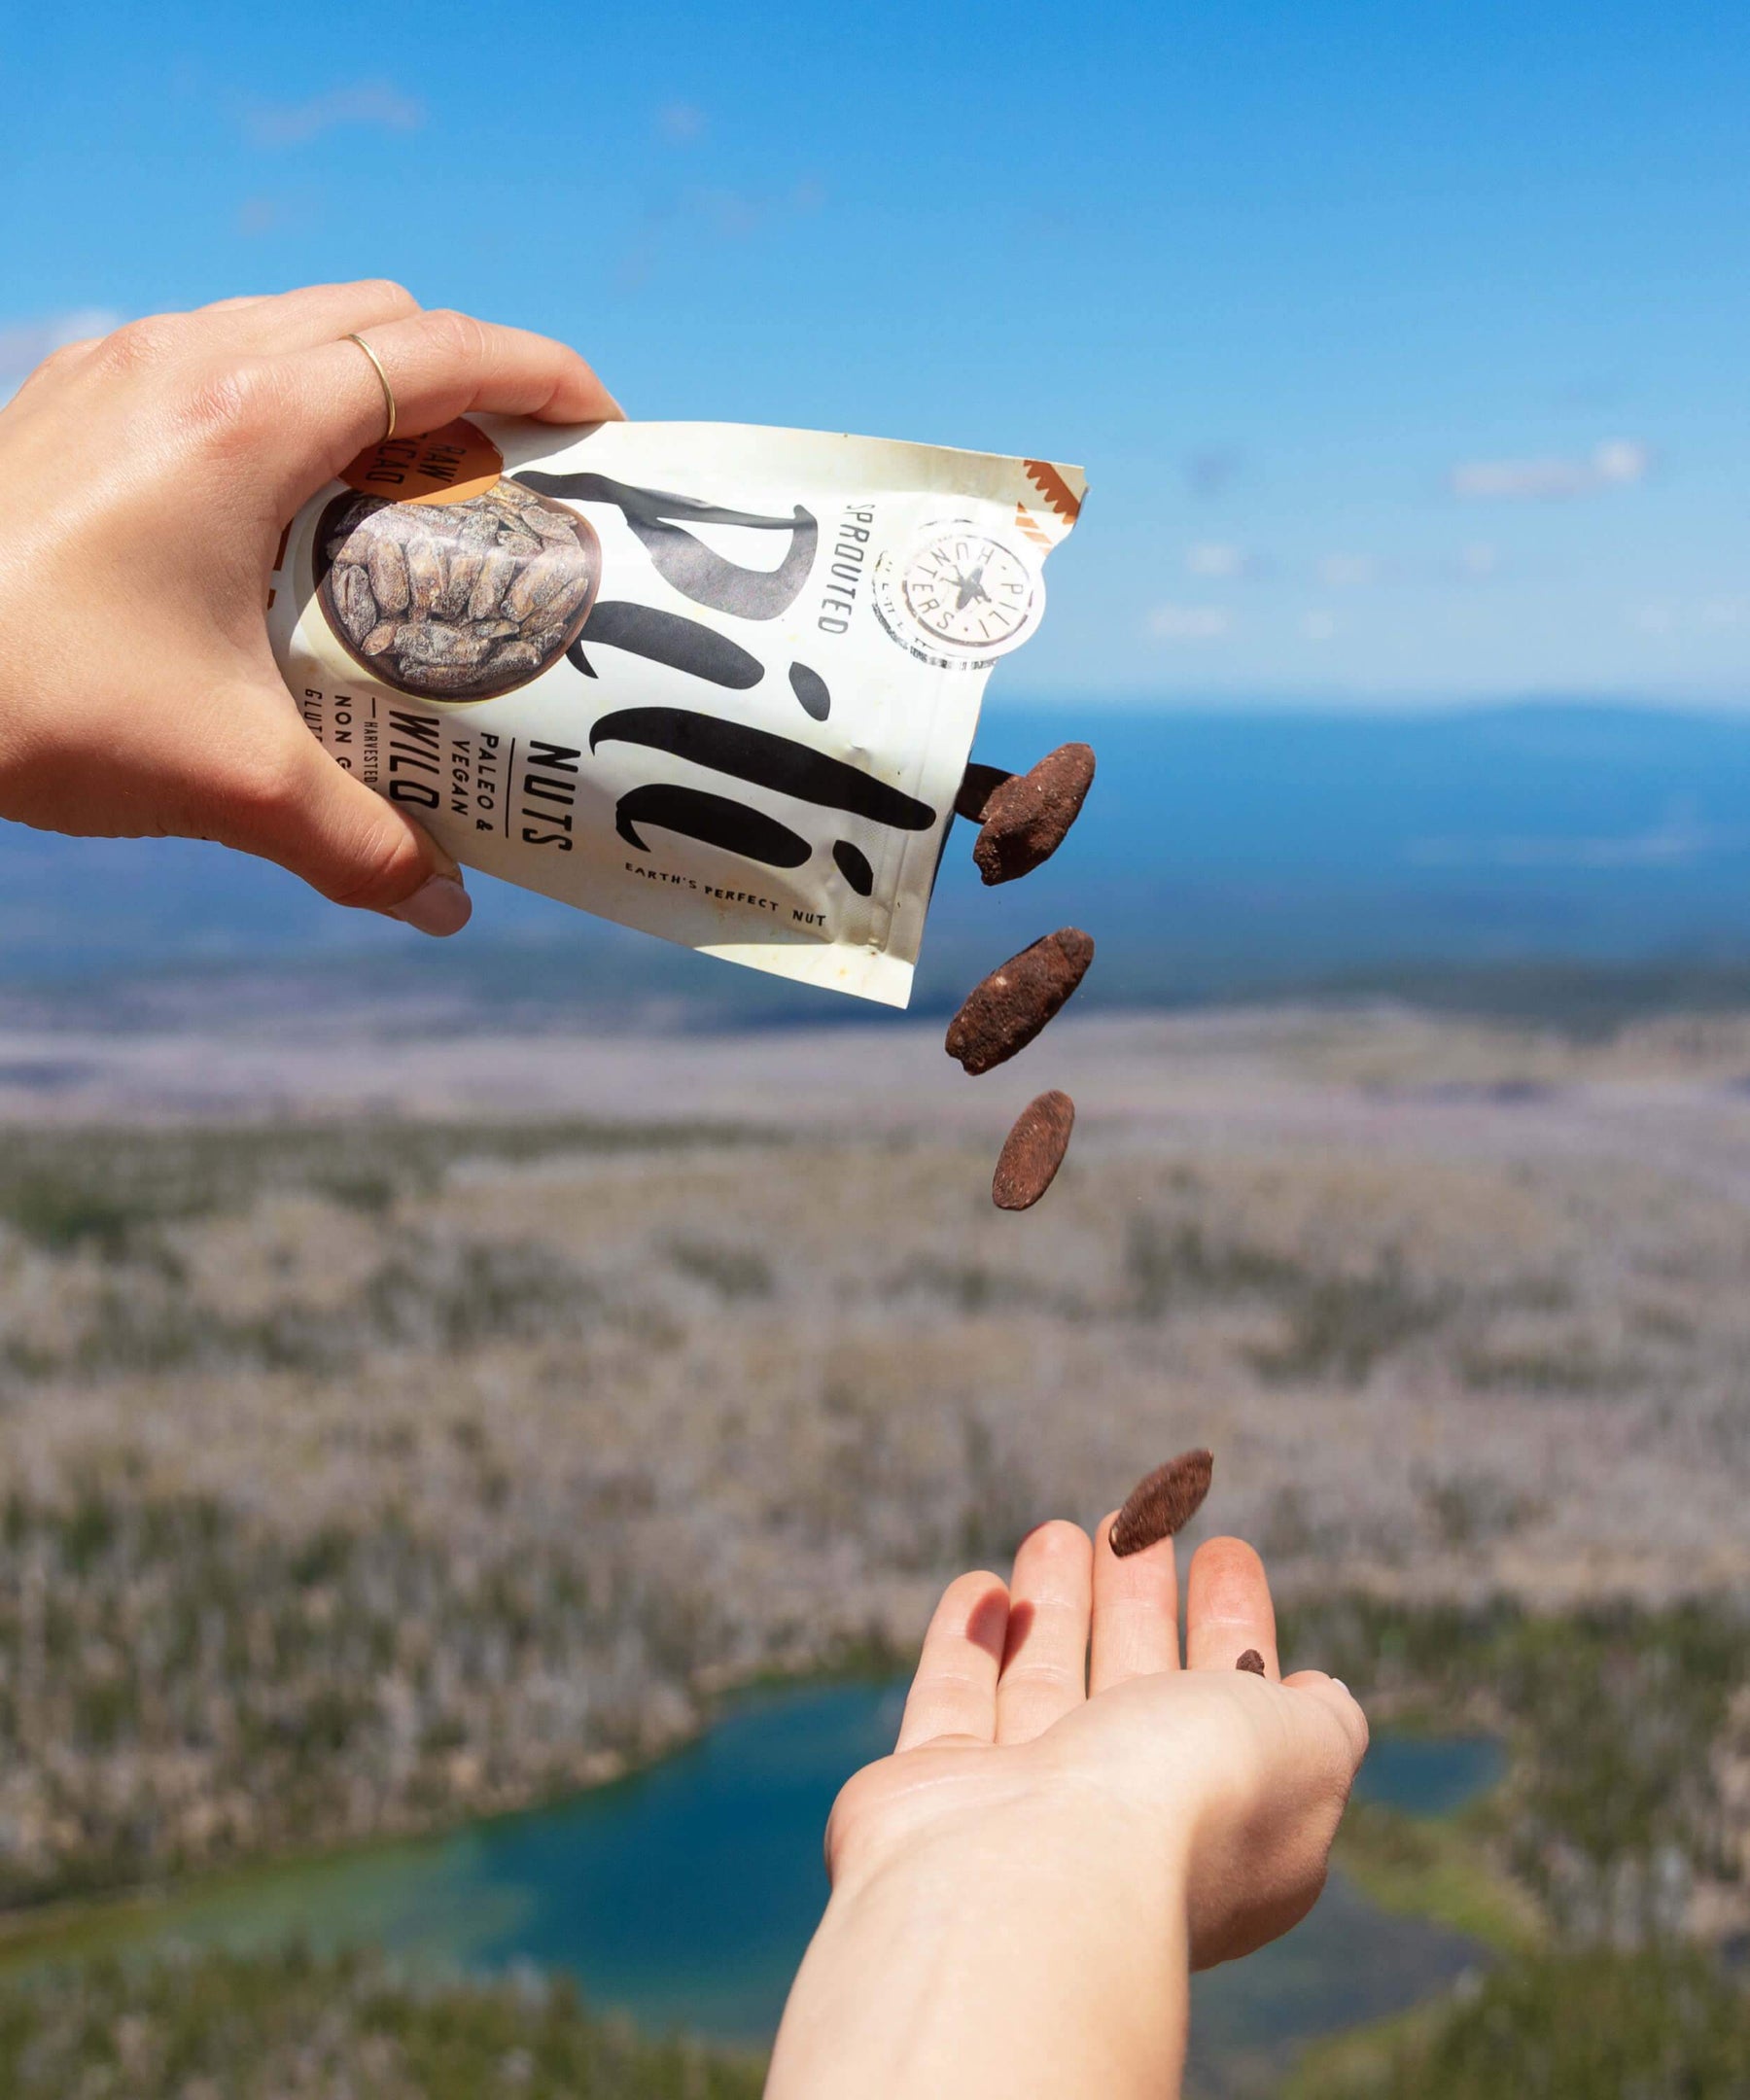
x=376, y=366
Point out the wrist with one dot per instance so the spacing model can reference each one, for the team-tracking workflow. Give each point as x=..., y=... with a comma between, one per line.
x=1031, y=1946
x=1076, y=1833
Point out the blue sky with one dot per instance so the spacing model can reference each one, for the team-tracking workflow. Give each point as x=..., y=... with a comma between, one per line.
x=1404, y=344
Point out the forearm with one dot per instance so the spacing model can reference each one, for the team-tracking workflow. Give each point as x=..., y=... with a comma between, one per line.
x=993, y=1965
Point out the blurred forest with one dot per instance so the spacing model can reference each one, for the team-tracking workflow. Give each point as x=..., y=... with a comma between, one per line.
x=365, y=1475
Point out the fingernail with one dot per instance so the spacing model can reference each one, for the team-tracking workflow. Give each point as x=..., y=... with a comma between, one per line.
x=1338, y=1683
x=439, y=906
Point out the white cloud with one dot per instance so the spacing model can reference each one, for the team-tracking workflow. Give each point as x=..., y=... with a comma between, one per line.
x=24, y=344
x=1621, y=459
x=725, y=215
x=372, y=103
x=1347, y=572
x=1213, y=470
x=734, y=215
x=1685, y=615
x=1617, y=463
x=681, y=123
x=1190, y=622
x=731, y=213
x=1216, y=558
x=258, y=216
x=1680, y=837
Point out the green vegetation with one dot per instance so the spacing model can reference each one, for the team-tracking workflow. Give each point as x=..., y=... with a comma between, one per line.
x=288, y=2027
x=113, y=1210
x=107, y=1188
x=1612, y=1812
x=180, y=1686
x=1594, y=2024
x=356, y=1479
x=1435, y=1868
x=1335, y=1324
x=1340, y=1326
x=1169, y=1260
x=735, y=1271
x=452, y=1293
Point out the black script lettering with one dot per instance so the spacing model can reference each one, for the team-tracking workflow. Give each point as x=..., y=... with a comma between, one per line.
x=712, y=820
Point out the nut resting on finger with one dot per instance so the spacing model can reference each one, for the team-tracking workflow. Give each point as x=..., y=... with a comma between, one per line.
x=1002, y=1014
x=1162, y=1502
x=1026, y=817
x=1252, y=1661
x=1033, y=1152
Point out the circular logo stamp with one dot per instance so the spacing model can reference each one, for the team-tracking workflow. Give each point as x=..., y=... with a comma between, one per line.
x=955, y=597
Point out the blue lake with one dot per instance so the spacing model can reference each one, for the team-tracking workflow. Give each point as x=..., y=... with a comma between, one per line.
x=1430, y=1776
x=685, y=1894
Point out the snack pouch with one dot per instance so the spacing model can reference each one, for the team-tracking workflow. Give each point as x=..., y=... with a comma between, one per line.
x=714, y=682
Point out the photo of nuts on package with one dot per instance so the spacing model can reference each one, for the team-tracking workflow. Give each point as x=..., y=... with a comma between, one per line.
x=458, y=600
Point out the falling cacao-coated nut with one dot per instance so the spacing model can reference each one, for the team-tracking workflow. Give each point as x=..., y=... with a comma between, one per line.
x=978, y=783
x=1027, y=817
x=1002, y=1015
x=1252, y=1661
x=1162, y=1502
x=1033, y=1152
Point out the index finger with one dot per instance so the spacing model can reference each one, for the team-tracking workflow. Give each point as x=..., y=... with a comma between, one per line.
x=1136, y=1612
x=276, y=324
x=438, y=364
x=955, y=1690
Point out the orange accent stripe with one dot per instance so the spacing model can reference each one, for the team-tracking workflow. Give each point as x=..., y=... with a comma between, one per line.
x=1056, y=491
x=1024, y=518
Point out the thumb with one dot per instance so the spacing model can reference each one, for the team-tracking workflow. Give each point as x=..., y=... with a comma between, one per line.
x=1340, y=1703
x=344, y=839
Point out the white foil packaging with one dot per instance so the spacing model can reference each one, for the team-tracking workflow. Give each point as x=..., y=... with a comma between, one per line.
x=716, y=682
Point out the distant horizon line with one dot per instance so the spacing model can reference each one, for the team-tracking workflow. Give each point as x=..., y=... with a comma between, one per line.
x=1327, y=702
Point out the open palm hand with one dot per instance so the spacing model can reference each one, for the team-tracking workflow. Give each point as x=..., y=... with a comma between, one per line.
x=1058, y=1708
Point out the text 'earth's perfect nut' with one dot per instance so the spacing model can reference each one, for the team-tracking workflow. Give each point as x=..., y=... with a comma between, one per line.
x=1163, y=1502
x=1033, y=1152
x=1002, y=1014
